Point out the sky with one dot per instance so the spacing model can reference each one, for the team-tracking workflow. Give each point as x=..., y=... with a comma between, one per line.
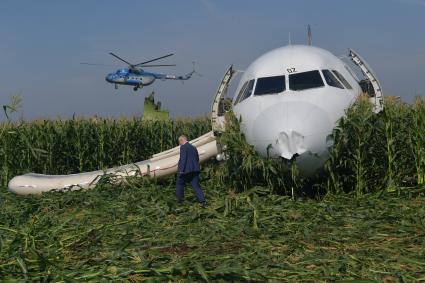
x=42, y=44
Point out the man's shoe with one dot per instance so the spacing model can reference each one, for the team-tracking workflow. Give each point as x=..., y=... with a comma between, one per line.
x=203, y=204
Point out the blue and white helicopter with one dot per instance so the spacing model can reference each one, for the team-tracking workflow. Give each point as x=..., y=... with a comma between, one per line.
x=136, y=77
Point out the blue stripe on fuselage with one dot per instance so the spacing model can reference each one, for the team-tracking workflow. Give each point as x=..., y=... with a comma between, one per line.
x=133, y=82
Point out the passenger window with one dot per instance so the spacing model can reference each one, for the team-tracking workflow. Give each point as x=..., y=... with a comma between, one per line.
x=305, y=80
x=270, y=85
x=331, y=80
x=342, y=79
x=248, y=90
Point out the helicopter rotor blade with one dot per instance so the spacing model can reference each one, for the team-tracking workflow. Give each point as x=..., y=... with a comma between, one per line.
x=162, y=57
x=94, y=64
x=121, y=59
x=161, y=65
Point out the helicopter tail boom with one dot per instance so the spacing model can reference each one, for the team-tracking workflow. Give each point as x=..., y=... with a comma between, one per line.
x=181, y=78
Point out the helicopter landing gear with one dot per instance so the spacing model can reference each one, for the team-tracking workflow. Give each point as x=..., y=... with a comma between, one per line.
x=136, y=88
x=116, y=86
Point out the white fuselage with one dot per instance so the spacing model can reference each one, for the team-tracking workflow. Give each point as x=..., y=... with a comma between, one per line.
x=296, y=120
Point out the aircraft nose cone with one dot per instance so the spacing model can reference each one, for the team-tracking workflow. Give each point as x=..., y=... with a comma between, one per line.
x=291, y=128
x=289, y=143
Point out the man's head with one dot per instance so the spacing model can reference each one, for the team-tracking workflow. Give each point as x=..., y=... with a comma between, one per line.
x=182, y=140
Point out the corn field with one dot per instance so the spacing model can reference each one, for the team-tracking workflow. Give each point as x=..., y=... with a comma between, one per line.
x=379, y=153
x=138, y=233
x=361, y=219
x=78, y=145
x=371, y=154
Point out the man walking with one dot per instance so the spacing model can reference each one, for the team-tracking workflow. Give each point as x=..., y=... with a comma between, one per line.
x=188, y=171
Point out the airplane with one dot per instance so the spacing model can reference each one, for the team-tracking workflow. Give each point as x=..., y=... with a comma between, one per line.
x=289, y=100
x=136, y=77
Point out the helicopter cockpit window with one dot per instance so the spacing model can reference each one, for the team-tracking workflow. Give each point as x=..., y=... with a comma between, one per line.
x=270, y=85
x=331, y=80
x=122, y=72
x=342, y=79
x=248, y=90
x=305, y=80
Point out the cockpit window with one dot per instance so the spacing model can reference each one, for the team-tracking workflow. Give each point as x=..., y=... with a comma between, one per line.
x=240, y=92
x=122, y=72
x=270, y=85
x=331, y=80
x=342, y=79
x=248, y=90
x=305, y=80
x=245, y=92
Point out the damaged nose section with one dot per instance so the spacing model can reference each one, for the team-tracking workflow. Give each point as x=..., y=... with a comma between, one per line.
x=292, y=129
x=290, y=143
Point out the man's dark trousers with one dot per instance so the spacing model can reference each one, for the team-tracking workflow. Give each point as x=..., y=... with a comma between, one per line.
x=188, y=172
x=193, y=179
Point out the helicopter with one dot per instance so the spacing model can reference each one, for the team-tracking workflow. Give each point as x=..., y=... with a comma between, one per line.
x=136, y=77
